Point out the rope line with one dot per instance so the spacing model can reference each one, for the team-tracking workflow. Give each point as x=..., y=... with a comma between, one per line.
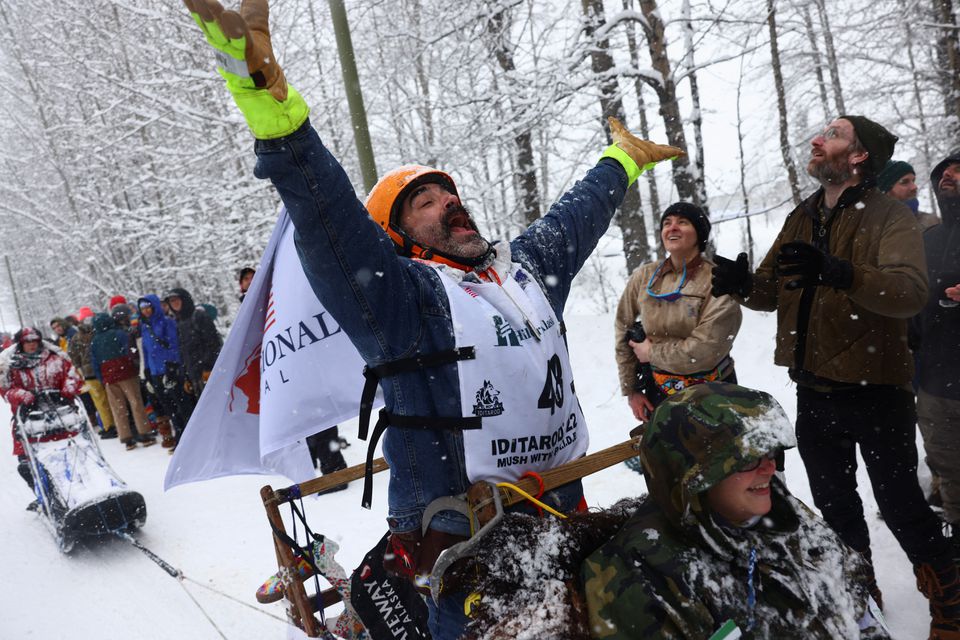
x=202, y=610
x=176, y=573
x=529, y=497
x=230, y=597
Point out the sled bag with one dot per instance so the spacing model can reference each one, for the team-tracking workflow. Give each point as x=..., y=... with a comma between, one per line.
x=388, y=606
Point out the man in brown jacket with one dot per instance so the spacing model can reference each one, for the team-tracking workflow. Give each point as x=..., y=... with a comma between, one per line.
x=844, y=275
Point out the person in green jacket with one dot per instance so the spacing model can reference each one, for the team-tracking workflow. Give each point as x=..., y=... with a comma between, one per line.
x=719, y=542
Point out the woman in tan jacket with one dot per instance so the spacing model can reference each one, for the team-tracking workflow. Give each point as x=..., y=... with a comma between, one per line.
x=688, y=332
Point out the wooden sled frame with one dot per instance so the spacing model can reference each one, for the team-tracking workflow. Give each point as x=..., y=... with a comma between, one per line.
x=301, y=607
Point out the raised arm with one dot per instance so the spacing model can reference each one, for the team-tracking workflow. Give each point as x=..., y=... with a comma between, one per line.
x=349, y=261
x=559, y=243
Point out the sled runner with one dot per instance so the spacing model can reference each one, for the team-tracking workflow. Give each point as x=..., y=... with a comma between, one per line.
x=78, y=494
x=371, y=592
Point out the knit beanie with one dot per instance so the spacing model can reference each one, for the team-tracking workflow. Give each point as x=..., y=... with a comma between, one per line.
x=875, y=139
x=115, y=300
x=893, y=171
x=937, y=173
x=695, y=215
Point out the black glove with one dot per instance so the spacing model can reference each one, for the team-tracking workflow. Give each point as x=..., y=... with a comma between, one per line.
x=171, y=375
x=731, y=276
x=636, y=332
x=813, y=266
x=51, y=397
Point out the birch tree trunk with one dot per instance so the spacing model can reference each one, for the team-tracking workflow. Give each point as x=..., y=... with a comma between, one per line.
x=632, y=225
x=644, y=125
x=817, y=63
x=498, y=27
x=782, y=104
x=949, y=56
x=667, y=94
x=697, y=119
x=748, y=231
x=917, y=95
x=831, y=57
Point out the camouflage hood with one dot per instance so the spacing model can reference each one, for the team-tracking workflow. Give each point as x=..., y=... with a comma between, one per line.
x=700, y=436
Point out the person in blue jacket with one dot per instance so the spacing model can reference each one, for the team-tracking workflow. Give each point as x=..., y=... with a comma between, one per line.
x=464, y=336
x=164, y=368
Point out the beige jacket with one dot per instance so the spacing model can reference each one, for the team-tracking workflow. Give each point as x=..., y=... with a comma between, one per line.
x=689, y=335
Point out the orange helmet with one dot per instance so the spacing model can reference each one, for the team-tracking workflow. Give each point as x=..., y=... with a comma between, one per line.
x=386, y=198
x=385, y=203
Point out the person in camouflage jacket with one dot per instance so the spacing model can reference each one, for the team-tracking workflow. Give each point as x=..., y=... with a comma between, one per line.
x=679, y=569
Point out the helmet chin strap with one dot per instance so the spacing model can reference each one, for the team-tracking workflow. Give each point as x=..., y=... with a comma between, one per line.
x=415, y=250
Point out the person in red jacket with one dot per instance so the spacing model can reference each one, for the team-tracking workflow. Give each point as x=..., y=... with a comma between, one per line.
x=33, y=368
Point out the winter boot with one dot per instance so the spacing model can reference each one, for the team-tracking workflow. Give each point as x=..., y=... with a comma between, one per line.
x=951, y=531
x=148, y=439
x=325, y=471
x=940, y=584
x=130, y=443
x=935, y=499
x=330, y=458
x=166, y=432
x=109, y=433
x=870, y=579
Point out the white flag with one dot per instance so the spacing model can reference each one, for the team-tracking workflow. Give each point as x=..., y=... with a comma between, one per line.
x=286, y=371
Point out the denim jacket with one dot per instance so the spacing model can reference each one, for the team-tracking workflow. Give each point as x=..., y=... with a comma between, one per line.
x=393, y=307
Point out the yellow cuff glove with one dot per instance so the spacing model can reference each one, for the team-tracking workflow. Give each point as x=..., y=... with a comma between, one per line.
x=636, y=155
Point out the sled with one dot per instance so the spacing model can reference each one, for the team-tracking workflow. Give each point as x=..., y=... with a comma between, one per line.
x=78, y=494
x=483, y=505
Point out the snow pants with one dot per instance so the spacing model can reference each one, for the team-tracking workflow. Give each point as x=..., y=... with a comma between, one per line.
x=99, y=394
x=939, y=420
x=880, y=419
x=123, y=393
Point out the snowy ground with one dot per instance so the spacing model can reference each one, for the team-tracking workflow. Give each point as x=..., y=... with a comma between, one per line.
x=217, y=535
x=216, y=532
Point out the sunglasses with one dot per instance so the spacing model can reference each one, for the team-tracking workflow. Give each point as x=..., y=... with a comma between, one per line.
x=753, y=465
x=672, y=295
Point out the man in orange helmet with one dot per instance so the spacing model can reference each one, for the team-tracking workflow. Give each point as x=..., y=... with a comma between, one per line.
x=464, y=336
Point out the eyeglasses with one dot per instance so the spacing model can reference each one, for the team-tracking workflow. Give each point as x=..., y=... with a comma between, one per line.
x=672, y=295
x=753, y=465
x=832, y=133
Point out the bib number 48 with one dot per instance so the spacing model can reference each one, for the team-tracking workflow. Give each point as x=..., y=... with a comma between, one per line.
x=552, y=395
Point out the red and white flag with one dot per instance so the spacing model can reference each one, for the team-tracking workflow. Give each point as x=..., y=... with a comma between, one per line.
x=286, y=371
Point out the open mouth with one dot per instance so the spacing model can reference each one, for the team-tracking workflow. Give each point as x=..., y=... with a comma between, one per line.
x=760, y=489
x=458, y=220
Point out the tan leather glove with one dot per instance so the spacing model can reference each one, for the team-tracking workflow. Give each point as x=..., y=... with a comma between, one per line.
x=643, y=152
x=249, y=28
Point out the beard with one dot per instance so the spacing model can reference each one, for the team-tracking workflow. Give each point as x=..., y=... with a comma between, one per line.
x=830, y=170
x=440, y=236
